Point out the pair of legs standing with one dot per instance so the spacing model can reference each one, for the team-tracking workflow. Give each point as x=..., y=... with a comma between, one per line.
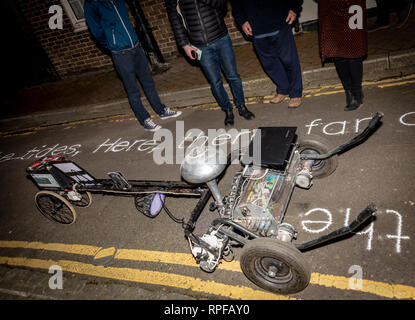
x=130, y=65
x=279, y=58
x=216, y=57
x=350, y=71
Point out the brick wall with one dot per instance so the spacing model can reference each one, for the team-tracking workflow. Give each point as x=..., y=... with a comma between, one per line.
x=73, y=53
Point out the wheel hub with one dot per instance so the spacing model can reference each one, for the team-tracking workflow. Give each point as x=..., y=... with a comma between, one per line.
x=273, y=270
x=318, y=164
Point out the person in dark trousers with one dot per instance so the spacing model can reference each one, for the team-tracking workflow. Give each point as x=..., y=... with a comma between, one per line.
x=200, y=30
x=384, y=8
x=269, y=23
x=110, y=25
x=344, y=45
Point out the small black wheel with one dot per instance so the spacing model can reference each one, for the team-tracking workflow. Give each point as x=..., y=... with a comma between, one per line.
x=275, y=266
x=318, y=145
x=55, y=207
x=85, y=201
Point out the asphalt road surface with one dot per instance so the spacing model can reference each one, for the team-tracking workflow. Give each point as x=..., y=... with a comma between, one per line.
x=114, y=252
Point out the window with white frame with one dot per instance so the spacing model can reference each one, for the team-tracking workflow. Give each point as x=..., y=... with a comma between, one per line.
x=75, y=10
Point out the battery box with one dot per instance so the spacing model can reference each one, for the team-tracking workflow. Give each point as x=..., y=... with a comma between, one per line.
x=276, y=145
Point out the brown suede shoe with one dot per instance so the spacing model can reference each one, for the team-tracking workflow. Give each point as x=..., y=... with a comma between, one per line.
x=278, y=98
x=294, y=103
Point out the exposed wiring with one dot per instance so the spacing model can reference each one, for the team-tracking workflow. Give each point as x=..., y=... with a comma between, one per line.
x=178, y=221
x=261, y=177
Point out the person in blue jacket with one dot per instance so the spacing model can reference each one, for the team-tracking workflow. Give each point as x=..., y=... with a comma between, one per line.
x=110, y=25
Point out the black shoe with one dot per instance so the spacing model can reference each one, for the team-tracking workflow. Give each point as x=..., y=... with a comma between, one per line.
x=349, y=96
x=358, y=95
x=352, y=106
x=404, y=14
x=244, y=112
x=229, y=117
x=352, y=102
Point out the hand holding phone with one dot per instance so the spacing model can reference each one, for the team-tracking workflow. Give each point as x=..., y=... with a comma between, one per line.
x=192, y=52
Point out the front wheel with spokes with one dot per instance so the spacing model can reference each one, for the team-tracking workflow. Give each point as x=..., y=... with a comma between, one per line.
x=55, y=207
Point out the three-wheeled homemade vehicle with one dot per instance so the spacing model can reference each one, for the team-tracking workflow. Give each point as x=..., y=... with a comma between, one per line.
x=250, y=216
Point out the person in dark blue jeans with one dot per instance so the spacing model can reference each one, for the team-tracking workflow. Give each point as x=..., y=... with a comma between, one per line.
x=110, y=25
x=200, y=30
x=216, y=56
x=269, y=22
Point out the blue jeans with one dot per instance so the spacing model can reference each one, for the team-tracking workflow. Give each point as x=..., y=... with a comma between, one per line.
x=220, y=56
x=279, y=58
x=130, y=65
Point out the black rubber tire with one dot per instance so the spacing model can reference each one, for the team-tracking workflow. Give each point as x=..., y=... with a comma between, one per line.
x=292, y=271
x=319, y=145
x=55, y=207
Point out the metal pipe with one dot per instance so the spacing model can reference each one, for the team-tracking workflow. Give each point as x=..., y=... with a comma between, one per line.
x=363, y=216
x=237, y=226
x=353, y=142
x=190, y=225
x=213, y=186
x=140, y=186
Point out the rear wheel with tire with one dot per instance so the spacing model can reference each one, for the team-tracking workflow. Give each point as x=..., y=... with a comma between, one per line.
x=313, y=144
x=55, y=207
x=275, y=266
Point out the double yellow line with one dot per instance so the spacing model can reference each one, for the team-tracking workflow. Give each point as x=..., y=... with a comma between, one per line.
x=130, y=274
x=393, y=291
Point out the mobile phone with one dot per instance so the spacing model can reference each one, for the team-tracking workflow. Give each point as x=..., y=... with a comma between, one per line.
x=196, y=54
